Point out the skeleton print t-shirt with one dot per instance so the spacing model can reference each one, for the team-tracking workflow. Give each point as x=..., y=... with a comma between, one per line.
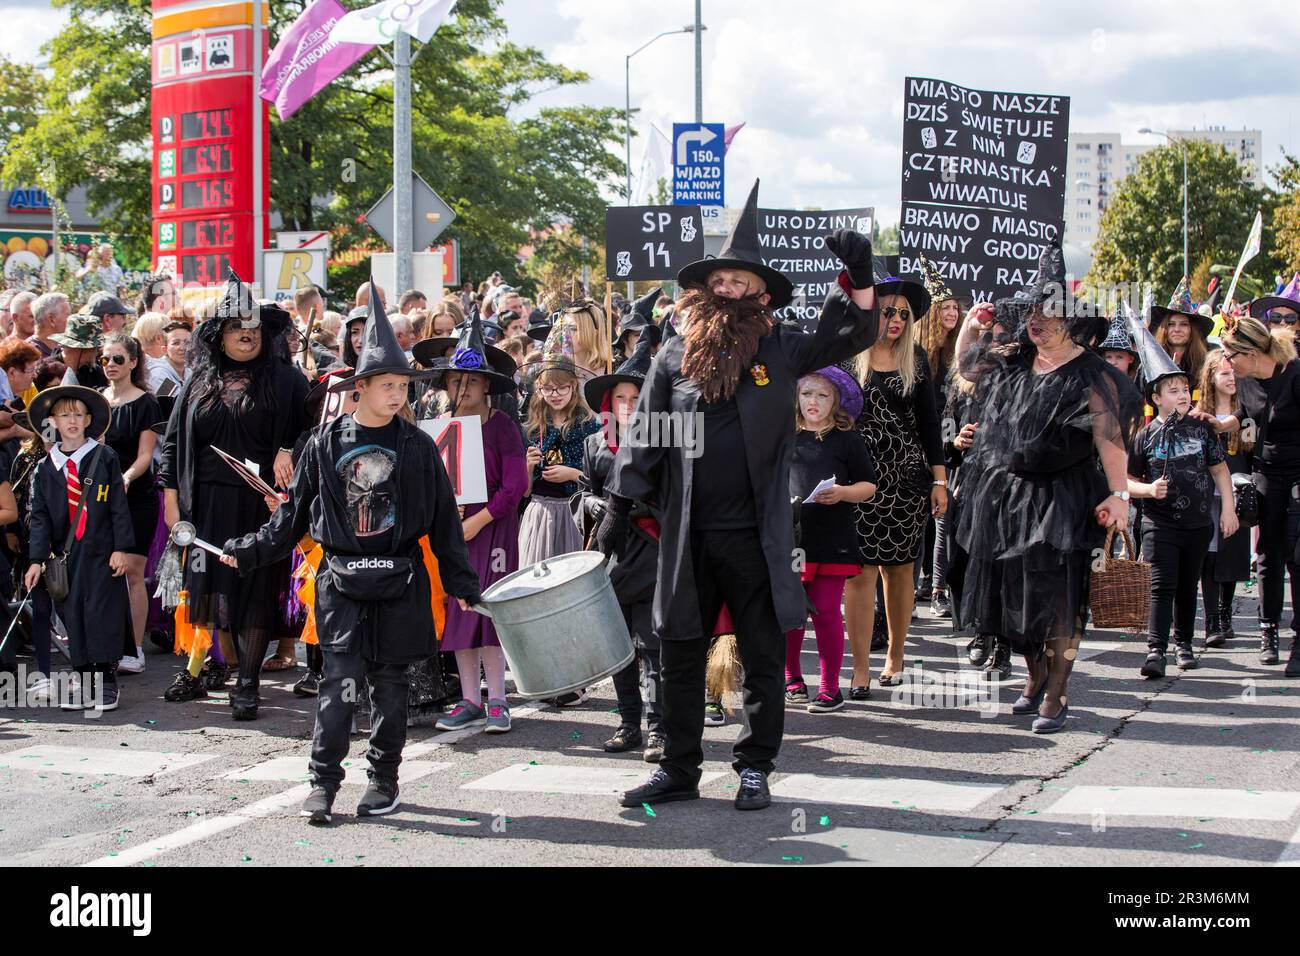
x=366, y=467
x=1183, y=452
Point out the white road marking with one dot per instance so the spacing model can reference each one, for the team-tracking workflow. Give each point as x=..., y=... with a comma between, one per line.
x=1178, y=802
x=1291, y=852
x=293, y=769
x=122, y=762
x=884, y=792
x=205, y=828
x=543, y=778
x=1090, y=649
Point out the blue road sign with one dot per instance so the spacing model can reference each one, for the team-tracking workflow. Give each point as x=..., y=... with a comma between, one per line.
x=698, y=151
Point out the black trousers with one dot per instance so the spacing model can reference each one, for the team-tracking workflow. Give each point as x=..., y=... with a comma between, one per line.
x=340, y=688
x=627, y=682
x=729, y=567
x=1176, y=555
x=1273, y=556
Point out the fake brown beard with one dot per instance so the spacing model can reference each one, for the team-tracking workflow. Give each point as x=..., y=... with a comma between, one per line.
x=721, y=337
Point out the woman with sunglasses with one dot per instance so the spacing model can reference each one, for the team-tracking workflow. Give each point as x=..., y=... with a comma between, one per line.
x=1268, y=385
x=246, y=398
x=900, y=424
x=131, y=436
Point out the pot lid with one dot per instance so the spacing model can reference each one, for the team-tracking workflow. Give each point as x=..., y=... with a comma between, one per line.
x=543, y=576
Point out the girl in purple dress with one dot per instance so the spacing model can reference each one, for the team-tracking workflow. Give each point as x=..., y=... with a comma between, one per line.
x=491, y=529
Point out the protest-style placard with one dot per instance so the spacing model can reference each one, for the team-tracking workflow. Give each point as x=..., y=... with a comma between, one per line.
x=460, y=443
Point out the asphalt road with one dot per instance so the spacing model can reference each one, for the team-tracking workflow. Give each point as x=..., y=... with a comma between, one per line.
x=1199, y=768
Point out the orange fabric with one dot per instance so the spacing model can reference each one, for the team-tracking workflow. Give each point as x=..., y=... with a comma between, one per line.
x=439, y=599
x=189, y=637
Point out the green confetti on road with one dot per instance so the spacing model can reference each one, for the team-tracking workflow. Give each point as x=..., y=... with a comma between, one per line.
x=302, y=842
x=793, y=859
x=575, y=736
x=151, y=722
x=328, y=859
x=1030, y=813
x=245, y=858
x=649, y=810
x=1205, y=819
x=1196, y=846
x=359, y=856
x=1182, y=836
x=825, y=821
x=534, y=763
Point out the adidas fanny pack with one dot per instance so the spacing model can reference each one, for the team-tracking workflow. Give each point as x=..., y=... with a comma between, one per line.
x=370, y=577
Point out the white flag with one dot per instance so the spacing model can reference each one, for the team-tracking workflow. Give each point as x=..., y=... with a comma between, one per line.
x=1250, y=252
x=380, y=23
x=656, y=163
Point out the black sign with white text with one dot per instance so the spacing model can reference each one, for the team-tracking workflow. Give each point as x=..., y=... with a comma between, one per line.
x=793, y=242
x=983, y=183
x=651, y=242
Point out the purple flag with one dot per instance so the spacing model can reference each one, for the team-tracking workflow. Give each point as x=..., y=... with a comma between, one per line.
x=306, y=60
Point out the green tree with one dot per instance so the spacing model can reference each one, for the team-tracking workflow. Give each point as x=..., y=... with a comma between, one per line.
x=885, y=241
x=504, y=175
x=1141, y=231
x=20, y=95
x=1286, y=216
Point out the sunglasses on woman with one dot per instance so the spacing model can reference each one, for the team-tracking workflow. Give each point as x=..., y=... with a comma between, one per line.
x=890, y=312
x=115, y=359
x=1280, y=316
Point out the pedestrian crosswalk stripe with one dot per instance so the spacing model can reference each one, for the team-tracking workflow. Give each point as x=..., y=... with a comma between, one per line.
x=1178, y=802
x=1291, y=852
x=204, y=829
x=542, y=778
x=122, y=762
x=1090, y=649
x=884, y=792
x=293, y=768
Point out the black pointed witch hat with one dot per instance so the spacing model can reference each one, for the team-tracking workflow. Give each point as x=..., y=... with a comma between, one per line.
x=642, y=313
x=1118, y=338
x=1157, y=364
x=380, y=352
x=634, y=370
x=472, y=354
x=741, y=251
x=237, y=302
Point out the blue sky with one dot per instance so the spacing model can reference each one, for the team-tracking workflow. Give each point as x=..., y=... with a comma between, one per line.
x=820, y=82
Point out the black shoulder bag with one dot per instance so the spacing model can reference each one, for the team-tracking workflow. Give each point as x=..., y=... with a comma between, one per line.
x=57, y=583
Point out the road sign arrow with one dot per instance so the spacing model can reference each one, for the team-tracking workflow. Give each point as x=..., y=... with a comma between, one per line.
x=698, y=136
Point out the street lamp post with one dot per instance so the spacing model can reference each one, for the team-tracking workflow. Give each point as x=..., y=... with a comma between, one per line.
x=1182, y=145
x=627, y=107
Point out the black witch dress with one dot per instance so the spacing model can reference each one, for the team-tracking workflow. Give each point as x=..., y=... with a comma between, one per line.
x=902, y=434
x=130, y=420
x=221, y=504
x=1029, y=487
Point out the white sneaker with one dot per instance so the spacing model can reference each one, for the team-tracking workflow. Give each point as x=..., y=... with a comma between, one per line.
x=73, y=701
x=39, y=692
x=133, y=664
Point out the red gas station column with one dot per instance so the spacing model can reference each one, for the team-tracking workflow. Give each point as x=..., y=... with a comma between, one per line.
x=211, y=169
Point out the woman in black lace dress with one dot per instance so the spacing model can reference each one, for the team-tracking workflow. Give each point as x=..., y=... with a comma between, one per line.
x=900, y=425
x=245, y=398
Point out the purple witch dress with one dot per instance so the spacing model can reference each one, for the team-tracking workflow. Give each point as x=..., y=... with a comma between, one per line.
x=494, y=552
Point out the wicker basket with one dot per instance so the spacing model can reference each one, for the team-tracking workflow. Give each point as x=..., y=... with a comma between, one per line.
x=1119, y=595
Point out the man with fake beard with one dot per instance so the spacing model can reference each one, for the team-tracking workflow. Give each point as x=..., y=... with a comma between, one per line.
x=728, y=528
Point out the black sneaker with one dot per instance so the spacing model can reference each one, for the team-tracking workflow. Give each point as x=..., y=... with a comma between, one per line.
x=796, y=692
x=380, y=798
x=185, y=687
x=308, y=685
x=825, y=703
x=1185, y=657
x=319, y=806
x=714, y=715
x=162, y=640
x=923, y=589
x=977, y=651
x=662, y=787
x=108, y=695
x=654, y=748
x=625, y=738
x=1154, y=667
x=942, y=604
x=753, y=793
x=998, y=664
x=215, y=676
x=572, y=699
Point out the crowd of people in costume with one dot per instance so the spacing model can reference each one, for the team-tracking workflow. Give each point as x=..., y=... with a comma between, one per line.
x=228, y=482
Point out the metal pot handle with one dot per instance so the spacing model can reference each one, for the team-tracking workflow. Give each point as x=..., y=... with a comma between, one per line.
x=481, y=609
x=542, y=569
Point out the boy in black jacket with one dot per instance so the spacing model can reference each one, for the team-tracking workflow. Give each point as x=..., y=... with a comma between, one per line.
x=368, y=487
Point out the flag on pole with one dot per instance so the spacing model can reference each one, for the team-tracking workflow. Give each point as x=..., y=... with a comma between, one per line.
x=656, y=164
x=379, y=23
x=308, y=58
x=729, y=134
x=1250, y=252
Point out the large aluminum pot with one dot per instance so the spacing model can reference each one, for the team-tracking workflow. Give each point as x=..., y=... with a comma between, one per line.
x=559, y=624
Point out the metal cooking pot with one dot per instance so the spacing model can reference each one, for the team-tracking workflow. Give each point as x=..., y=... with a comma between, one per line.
x=559, y=624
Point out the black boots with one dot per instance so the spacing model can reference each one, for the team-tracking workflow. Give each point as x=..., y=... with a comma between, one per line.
x=1267, y=643
x=1293, y=661
x=879, y=631
x=1154, y=668
x=1218, y=625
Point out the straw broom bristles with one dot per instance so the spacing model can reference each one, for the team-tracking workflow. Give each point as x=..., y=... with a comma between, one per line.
x=723, y=675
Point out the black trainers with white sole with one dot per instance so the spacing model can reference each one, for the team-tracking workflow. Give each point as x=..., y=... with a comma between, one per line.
x=380, y=798
x=318, y=807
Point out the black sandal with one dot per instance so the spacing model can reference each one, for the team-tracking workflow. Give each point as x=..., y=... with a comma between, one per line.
x=889, y=680
x=859, y=693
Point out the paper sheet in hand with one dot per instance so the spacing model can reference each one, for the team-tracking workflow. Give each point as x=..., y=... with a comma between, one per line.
x=248, y=471
x=821, y=486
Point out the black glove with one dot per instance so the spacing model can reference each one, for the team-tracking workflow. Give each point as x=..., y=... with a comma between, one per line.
x=854, y=250
x=655, y=334
x=611, y=537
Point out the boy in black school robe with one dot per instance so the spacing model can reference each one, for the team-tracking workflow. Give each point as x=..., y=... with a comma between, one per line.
x=96, y=611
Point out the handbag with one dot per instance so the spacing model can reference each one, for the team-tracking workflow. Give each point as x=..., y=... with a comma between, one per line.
x=1246, y=500
x=1119, y=594
x=370, y=577
x=57, y=580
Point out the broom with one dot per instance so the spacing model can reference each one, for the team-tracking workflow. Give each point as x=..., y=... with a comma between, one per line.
x=722, y=676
